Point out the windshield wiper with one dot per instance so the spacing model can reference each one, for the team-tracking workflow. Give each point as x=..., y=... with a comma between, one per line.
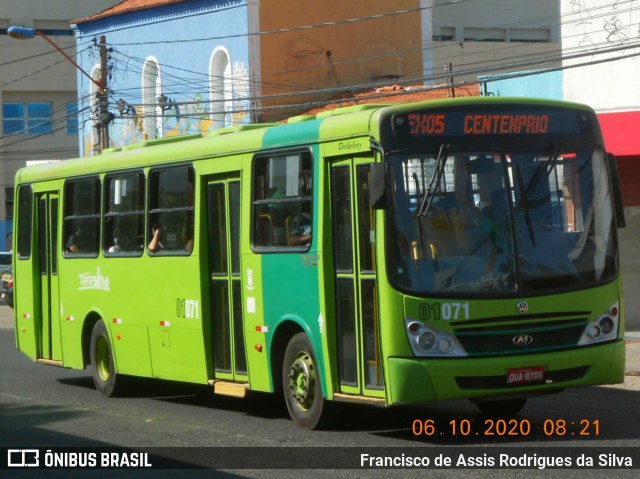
x=425, y=200
x=524, y=204
x=420, y=228
x=543, y=172
x=441, y=160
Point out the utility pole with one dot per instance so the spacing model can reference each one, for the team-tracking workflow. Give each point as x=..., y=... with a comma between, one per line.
x=104, y=116
x=449, y=69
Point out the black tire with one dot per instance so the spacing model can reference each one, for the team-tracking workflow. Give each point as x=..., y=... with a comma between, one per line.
x=503, y=408
x=103, y=370
x=301, y=384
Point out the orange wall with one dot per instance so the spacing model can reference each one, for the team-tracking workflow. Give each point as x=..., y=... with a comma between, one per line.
x=358, y=53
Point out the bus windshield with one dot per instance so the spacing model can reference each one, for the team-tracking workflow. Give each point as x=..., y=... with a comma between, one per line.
x=500, y=221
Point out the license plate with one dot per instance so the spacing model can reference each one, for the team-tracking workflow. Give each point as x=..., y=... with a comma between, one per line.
x=525, y=375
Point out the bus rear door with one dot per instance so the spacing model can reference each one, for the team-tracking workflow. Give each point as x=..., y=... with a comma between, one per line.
x=359, y=359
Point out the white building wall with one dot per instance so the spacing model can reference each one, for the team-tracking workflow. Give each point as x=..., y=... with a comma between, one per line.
x=600, y=39
x=483, y=37
x=594, y=32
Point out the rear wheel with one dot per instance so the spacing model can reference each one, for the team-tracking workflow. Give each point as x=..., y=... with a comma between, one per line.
x=103, y=370
x=301, y=383
x=506, y=407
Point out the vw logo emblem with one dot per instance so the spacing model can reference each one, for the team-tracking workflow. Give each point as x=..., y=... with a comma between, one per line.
x=522, y=307
x=522, y=340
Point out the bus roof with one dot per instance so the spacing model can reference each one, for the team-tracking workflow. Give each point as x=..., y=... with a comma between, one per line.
x=345, y=122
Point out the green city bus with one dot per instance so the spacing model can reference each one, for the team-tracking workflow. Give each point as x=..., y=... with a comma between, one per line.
x=379, y=254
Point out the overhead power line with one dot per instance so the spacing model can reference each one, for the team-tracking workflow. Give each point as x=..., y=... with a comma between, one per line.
x=180, y=82
x=280, y=30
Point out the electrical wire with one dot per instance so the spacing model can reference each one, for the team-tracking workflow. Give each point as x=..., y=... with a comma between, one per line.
x=177, y=85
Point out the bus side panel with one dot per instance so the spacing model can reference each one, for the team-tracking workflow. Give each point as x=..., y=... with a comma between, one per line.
x=177, y=353
x=287, y=283
x=87, y=293
x=76, y=302
x=167, y=310
x=26, y=309
x=290, y=292
x=130, y=348
x=257, y=336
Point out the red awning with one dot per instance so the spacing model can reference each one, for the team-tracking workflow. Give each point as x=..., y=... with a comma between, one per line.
x=621, y=132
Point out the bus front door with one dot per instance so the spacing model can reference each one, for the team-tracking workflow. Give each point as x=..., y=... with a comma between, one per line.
x=225, y=286
x=50, y=345
x=360, y=364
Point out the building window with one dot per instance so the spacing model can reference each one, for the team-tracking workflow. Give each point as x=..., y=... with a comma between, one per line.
x=72, y=118
x=27, y=118
x=8, y=201
x=221, y=88
x=151, y=90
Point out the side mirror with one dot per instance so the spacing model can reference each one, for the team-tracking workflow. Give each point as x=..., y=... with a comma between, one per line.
x=378, y=187
x=616, y=190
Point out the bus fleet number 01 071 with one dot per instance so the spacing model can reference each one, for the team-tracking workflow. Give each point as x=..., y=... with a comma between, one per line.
x=444, y=311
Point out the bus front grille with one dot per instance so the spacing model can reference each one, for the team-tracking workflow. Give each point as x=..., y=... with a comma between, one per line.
x=520, y=338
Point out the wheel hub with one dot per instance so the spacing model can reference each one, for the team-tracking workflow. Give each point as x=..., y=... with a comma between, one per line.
x=302, y=381
x=102, y=359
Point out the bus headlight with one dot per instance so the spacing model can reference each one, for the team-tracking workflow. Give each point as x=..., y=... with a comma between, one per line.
x=607, y=325
x=605, y=328
x=427, y=341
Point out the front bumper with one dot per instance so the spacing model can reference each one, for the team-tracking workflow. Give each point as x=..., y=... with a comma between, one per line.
x=418, y=380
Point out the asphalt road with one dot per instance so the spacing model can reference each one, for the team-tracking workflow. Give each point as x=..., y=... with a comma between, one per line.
x=43, y=406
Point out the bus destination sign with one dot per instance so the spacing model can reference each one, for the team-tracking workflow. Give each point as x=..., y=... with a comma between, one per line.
x=482, y=123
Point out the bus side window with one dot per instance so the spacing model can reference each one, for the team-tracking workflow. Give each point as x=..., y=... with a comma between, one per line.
x=282, y=208
x=82, y=216
x=171, y=211
x=123, y=229
x=25, y=221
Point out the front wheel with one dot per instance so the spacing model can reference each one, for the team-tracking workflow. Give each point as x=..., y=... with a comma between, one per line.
x=301, y=383
x=103, y=370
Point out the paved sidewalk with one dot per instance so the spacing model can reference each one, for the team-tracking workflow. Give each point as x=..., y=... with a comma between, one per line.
x=632, y=366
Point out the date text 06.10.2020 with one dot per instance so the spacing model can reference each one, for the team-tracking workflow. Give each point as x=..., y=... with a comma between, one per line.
x=506, y=427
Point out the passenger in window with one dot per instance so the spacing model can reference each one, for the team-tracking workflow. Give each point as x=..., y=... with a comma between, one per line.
x=300, y=233
x=190, y=220
x=155, y=244
x=188, y=247
x=116, y=247
x=495, y=223
x=73, y=241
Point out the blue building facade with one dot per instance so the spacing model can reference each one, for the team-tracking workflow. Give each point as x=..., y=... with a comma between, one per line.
x=174, y=69
x=524, y=84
